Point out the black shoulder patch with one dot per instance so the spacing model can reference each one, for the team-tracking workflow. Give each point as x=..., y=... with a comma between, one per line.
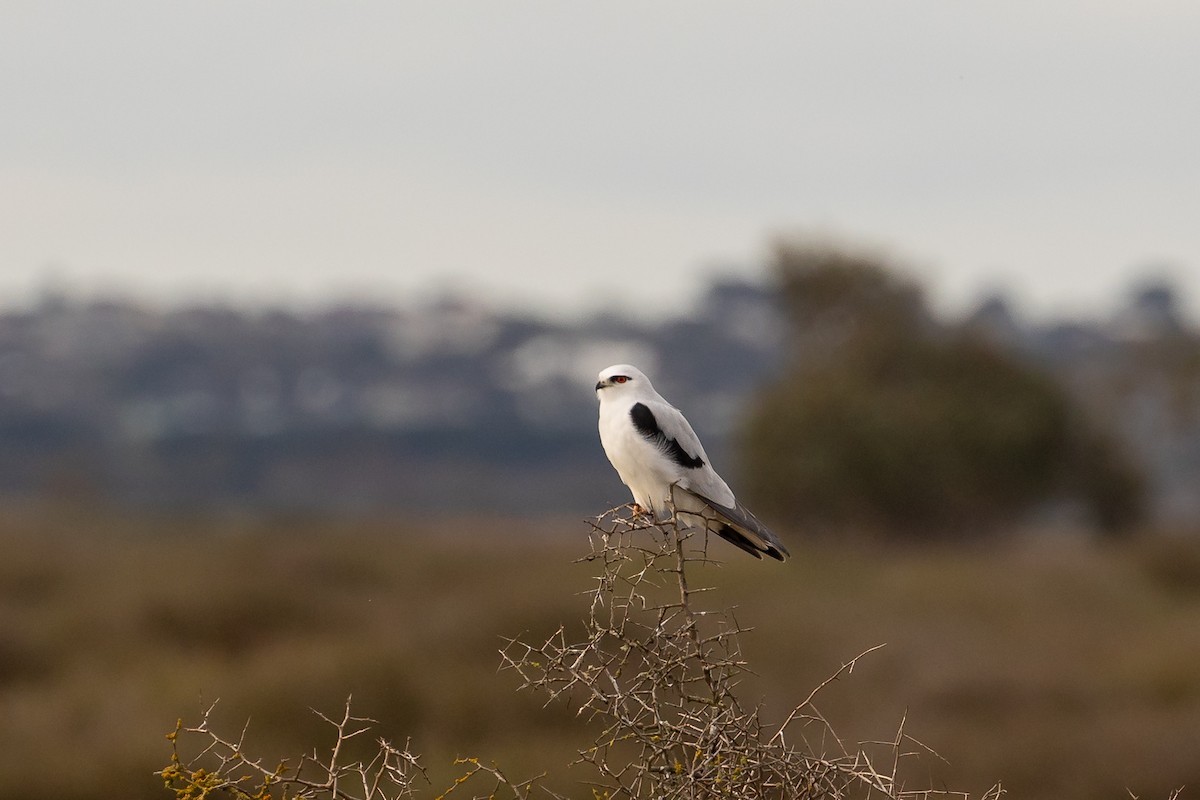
x=647, y=426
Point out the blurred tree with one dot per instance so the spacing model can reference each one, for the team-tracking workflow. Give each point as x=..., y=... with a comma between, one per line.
x=889, y=421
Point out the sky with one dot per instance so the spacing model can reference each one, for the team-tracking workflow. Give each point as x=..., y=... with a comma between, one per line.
x=569, y=157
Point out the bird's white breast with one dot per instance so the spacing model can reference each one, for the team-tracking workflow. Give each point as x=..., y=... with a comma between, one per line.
x=641, y=466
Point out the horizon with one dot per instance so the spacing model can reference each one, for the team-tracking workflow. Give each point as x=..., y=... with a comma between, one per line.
x=51, y=290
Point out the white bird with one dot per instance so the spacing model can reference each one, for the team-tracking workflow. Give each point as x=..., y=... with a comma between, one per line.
x=659, y=457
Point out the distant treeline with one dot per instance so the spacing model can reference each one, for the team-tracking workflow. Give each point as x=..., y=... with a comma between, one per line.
x=453, y=406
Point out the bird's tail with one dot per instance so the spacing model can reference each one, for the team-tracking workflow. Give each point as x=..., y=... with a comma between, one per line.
x=739, y=539
x=735, y=525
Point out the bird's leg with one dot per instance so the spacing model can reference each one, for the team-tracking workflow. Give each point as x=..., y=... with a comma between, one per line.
x=638, y=513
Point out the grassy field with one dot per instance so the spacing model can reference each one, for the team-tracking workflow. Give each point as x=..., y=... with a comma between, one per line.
x=1060, y=668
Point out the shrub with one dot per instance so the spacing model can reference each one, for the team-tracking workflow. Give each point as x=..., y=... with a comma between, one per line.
x=654, y=670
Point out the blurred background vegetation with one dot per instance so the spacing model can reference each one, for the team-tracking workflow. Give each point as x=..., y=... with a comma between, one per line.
x=281, y=509
x=888, y=419
x=841, y=397
x=1062, y=669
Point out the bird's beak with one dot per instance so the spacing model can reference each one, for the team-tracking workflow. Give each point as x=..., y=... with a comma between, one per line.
x=600, y=385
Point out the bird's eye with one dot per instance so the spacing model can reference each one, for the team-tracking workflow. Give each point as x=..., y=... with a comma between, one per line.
x=619, y=379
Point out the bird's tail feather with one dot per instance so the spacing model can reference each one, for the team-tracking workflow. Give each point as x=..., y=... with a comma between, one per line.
x=737, y=539
x=737, y=526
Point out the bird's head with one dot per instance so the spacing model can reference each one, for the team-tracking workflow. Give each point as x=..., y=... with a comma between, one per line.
x=622, y=379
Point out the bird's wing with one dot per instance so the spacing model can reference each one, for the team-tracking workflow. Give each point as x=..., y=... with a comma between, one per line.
x=736, y=524
x=666, y=428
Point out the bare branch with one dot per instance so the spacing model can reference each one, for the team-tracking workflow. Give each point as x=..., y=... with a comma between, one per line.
x=658, y=672
x=654, y=671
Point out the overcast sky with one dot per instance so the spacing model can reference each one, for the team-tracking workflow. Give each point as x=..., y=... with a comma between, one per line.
x=572, y=155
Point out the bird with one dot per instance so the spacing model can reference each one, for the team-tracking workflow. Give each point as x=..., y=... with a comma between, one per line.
x=659, y=457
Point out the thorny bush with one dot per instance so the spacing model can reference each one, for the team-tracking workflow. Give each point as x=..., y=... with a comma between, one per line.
x=655, y=671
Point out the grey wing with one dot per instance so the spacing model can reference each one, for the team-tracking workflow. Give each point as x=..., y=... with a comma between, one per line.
x=732, y=520
x=682, y=445
x=702, y=481
x=674, y=426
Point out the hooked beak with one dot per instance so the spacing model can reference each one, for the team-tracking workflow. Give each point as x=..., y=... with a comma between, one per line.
x=600, y=385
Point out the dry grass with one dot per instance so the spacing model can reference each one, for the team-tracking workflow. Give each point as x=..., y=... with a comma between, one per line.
x=1060, y=669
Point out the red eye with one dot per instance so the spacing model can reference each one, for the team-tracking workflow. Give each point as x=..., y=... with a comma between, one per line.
x=619, y=379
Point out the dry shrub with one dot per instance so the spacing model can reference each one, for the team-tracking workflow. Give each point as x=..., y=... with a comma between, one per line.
x=655, y=671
